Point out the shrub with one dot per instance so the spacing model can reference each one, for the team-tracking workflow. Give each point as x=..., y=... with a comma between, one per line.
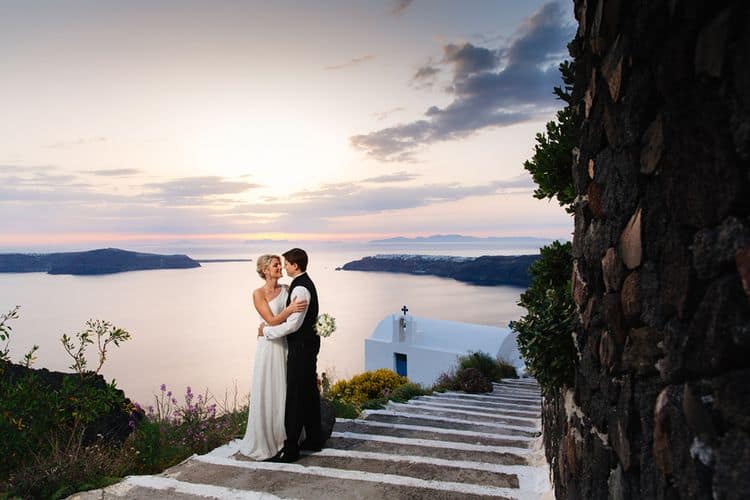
x=506, y=370
x=40, y=409
x=445, y=382
x=367, y=385
x=407, y=391
x=472, y=381
x=173, y=431
x=545, y=333
x=66, y=468
x=493, y=369
x=550, y=167
x=374, y=404
x=344, y=409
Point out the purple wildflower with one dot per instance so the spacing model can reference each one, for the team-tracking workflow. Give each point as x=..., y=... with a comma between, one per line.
x=131, y=424
x=163, y=387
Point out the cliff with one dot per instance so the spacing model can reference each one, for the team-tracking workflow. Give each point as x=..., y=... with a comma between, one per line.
x=103, y=261
x=487, y=270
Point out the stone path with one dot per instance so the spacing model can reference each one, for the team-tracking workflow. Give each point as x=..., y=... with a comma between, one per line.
x=444, y=446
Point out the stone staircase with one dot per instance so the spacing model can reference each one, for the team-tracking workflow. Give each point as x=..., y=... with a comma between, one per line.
x=444, y=446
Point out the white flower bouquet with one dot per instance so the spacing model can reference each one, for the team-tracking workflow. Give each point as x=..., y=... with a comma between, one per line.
x=325, y=325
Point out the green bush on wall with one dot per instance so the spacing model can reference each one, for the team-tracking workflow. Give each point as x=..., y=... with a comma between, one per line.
x=545, y=333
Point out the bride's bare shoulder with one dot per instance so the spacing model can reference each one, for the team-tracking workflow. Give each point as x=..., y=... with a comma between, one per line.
x=258, y=292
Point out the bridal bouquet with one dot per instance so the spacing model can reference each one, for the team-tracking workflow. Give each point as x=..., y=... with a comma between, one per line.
x=326, y=325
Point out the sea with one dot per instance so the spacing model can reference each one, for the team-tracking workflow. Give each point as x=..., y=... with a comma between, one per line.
x=197, y=327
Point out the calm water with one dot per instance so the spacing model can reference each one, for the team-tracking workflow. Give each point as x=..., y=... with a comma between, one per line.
x=197, y=327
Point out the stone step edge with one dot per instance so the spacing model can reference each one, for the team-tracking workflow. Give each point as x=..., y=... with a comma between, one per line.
x=530, y=478
x=344, y=474
x=394, y=413
x=489, y=410
x=535, y=423
x=476, y=412
x=161, y=483
x=484, y=395
x=431, y=443
x=518, y=381
x=489, y=397
x=487, y=405
x=505, y=405
x=436, y=430
x=504, y=391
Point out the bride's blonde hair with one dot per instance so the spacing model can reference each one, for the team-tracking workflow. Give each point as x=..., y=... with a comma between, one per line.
x=263, y=262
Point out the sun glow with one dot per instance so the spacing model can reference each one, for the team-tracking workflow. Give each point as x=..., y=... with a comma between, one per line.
x=283, y=154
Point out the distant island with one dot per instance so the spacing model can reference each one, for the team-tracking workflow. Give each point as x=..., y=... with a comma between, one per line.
x=102, y=261
x=458, y=238
x=488, y=270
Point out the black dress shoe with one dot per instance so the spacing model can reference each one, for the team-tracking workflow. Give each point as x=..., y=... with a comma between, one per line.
x=310, y=445
x=275, y=458
x=286, y=457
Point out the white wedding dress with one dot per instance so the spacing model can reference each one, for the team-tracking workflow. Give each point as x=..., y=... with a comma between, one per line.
x=265, y=432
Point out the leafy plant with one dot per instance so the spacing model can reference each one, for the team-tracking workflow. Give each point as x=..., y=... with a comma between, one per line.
x=506, y=370
x=446, y=381
x=367, y=385
x=472, y=380
x=344, y=409
x=5, y=330
x=544, y=333
x=551, y=164
x=492, y=369
x=105, y=334
x=409, y=390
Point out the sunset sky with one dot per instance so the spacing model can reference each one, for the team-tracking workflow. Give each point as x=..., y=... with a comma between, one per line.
x=158, y=120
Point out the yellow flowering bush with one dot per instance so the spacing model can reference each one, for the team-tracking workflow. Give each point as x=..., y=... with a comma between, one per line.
x=366, y=386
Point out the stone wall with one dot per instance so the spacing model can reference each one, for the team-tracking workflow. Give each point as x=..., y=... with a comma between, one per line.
x=661, y=402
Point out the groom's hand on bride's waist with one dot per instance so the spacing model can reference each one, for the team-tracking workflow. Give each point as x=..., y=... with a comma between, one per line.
x=260, y=329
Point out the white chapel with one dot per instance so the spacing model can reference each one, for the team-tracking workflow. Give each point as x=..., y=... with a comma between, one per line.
x=423, y=348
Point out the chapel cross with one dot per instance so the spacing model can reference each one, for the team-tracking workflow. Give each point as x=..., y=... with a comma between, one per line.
x=404, y=310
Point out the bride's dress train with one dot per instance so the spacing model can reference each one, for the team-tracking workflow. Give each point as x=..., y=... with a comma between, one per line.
x=265, y=432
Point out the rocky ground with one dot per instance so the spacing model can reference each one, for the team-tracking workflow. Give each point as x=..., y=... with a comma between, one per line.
x=445, y=446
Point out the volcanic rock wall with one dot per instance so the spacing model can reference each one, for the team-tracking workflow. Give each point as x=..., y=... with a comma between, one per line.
x=660, y=407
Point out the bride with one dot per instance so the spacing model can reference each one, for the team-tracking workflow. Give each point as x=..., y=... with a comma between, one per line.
x=265, y=432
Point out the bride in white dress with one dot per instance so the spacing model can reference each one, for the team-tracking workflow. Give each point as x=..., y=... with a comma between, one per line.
x=265, y=432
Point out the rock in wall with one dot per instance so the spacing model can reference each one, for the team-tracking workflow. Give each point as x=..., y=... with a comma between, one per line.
x=660, y=407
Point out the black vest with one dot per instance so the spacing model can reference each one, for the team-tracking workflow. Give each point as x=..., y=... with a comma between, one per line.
x=307, y=330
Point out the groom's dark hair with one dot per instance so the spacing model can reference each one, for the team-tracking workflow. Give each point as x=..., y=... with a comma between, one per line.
x=297, y=256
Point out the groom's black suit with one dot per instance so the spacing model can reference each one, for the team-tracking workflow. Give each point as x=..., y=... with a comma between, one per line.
x=302, y=398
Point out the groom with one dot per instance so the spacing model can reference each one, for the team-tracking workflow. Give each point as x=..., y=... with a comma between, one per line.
x=302, y=397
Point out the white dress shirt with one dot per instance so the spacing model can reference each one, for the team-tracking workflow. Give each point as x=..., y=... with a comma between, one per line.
x=294, y=321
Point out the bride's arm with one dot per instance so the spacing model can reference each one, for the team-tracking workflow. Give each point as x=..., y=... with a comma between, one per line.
x=265, y=311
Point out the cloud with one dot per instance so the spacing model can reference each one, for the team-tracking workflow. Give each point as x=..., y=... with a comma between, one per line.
x=352, y=199
x=197, y=188
x=490, y=88
x=400, y=6
x=394, y=177
x=385, y=114
x=26, y=168
x=468, y=59
x=114, y=172
x=78, y=142
x=426, y=76
x=48, y=202
x=351, y=62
